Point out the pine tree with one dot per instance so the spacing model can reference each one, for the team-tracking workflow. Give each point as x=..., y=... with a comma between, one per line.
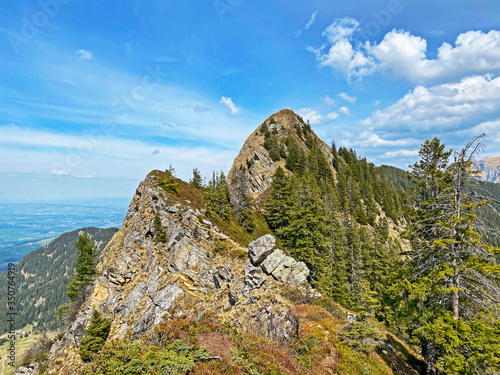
x=217, y=196
x=278, y=201
x=452, y=279
x=169, y=183
x=84, y=267
x=304, y=232
x=197, y=180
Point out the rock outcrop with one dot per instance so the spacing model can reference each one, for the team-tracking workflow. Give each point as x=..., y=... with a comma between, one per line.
x=256, y=160
x=142, y=279
x=490, y=169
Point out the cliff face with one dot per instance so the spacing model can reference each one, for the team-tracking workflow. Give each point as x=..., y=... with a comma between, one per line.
x=256, y=159
x=197, y=269
x=490, y=169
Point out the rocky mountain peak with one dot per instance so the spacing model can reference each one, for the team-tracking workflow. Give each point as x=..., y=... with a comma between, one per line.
x=267, y=149
x=490, y=169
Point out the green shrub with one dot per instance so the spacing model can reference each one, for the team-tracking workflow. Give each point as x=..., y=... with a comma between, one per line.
x=362, y=336
x=169, y=183
x=95, y=336
x=161, y=235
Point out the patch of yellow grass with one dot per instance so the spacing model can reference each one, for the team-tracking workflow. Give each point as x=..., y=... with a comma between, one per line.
x=22, y=343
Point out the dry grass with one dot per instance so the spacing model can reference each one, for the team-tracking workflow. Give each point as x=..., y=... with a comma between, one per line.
x=21, y=345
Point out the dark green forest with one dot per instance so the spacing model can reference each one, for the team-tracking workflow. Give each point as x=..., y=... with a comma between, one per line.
x=43, y=277
x=489, y=215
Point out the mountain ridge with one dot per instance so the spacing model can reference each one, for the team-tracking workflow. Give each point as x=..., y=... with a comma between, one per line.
x=181, y=254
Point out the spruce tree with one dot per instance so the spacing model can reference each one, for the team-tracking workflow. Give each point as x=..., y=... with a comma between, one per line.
x=197, y=180
x=452, y=282
x=84, y=267
x=216, y=196
x=277, y=204
x=242, y=201
x=95, y=336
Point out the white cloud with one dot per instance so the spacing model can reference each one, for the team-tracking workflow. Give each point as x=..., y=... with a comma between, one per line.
x=435, y=33
x=310, y=114
x=347, y=98
x=344, y=111
x=342, y=56
x=399, y=153
x=309, y=23
x=329, y=101
x=84, y=54
x=340, y=29
x=332, y=116
x=401, y=54
x=371, y=140
x=58, y=172
x=233, y=109
x=441, y=107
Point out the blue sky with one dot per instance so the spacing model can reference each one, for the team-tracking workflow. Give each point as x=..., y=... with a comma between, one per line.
x=95, y=94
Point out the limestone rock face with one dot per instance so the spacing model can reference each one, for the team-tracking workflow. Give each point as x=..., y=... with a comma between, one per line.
x=254, y=159
x=259, y=249
x=285, y=268
x=142, y=279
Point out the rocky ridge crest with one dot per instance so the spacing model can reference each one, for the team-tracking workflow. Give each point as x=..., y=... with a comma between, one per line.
x=142, y=279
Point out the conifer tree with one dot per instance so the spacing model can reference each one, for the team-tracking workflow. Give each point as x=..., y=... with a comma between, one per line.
x=197, y=180
x=452, y=280
x=95, y=336
x=84, y=267
x=217, y=195
x=242, y=201
x=277, y=205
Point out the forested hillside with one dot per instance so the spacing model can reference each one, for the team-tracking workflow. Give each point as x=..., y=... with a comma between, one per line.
x=43, y=276
x=489, y=214
x=328, y=207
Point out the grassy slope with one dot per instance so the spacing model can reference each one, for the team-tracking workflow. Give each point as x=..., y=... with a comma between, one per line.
x=22, y=343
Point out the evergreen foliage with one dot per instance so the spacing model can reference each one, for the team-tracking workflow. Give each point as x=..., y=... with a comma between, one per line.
x=95, y=336
x=242, y=202
x=197, y=180
x=161, y=235
x=271, y=144
x=169, y=183
x=336, y=227
x=85, y=264
x=216, y=196
x=295, y=160
x=451, y=280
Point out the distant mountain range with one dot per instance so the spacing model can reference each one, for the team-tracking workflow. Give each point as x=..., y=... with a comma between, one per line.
x=490, y=169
